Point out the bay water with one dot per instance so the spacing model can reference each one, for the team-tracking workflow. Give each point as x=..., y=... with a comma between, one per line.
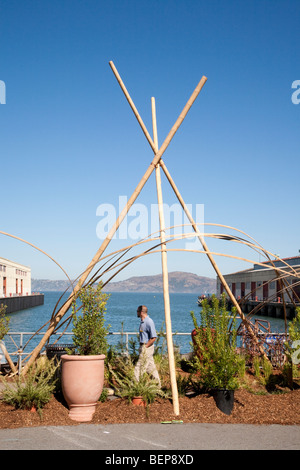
x=121, y=314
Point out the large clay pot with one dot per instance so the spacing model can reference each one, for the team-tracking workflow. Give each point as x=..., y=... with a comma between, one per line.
x=82, y=383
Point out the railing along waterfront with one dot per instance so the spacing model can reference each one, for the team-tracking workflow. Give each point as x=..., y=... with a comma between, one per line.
x=21, y=334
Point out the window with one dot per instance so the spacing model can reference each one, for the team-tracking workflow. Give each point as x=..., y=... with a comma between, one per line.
x=19, y=272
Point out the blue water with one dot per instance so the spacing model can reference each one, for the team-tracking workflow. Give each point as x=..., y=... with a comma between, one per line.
x=121, y=308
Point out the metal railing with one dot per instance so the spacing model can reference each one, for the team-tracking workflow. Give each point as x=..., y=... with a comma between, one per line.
x=20, y=351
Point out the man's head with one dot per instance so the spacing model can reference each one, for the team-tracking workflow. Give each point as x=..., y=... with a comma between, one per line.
x=142, y=311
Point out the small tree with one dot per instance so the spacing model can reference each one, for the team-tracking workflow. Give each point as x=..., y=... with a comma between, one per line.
x=216, y=358
x=89, y=330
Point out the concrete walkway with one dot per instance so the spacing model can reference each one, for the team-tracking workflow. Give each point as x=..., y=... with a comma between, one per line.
x=160, y=438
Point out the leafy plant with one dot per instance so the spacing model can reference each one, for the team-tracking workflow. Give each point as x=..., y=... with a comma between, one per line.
x=35, y=389
x=184, y=384
x=256, y=367
x=4, y=322
x=263, y=371
x=126, y=385
x=104, y=395
x=216, y=359
x=161, y=356
x=89, y=330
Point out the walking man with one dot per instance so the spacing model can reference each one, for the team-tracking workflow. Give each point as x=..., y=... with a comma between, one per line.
x=148, y=336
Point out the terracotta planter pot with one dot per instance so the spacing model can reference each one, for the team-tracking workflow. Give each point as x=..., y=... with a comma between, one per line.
x=82, y=383
x=139, y=401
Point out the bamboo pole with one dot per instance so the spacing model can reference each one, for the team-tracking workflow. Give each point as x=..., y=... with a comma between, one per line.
x=177, y=123
x=164, y=262
x=119, y=220
x=210, y=257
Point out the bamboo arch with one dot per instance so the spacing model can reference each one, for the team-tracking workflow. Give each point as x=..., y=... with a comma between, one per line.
x=119, y=264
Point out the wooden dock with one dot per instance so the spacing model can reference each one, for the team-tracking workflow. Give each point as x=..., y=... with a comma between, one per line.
x=269, y=309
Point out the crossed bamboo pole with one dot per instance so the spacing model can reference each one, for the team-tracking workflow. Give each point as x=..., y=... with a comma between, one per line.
x=122, y=215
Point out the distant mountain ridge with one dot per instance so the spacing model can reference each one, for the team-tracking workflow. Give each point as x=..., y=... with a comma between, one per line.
x=180, y=282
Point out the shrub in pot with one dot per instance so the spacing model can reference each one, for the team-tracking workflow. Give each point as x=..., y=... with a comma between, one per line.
x=216, y=359
x=140, y=392
x=83, y=372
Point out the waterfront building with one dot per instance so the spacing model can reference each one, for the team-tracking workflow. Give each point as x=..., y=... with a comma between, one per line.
x=15, y=279
x=261, y=283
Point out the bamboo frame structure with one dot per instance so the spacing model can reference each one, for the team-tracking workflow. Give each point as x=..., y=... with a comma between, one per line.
x=118, y=264
x=156, y=164
x=122, y=215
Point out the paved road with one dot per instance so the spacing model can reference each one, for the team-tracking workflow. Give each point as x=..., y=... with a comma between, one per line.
x=156, y=437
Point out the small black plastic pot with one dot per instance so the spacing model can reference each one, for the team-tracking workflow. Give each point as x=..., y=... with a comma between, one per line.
x=224, y=400
x=57, y=350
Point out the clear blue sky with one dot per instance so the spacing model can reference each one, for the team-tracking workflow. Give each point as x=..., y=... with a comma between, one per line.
x=70, y=142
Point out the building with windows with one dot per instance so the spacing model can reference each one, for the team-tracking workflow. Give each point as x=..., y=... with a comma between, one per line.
x=15, y=279
x=261, y=283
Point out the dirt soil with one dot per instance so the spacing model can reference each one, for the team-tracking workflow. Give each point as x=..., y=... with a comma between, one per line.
x=249, y=408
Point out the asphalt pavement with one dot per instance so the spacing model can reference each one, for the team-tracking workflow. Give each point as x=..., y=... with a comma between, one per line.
x=160, y=439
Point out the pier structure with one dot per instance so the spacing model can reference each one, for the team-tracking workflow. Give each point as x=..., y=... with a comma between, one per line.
x=270, y=289
x=15, y=287
x=22, y=302
x=268, y=308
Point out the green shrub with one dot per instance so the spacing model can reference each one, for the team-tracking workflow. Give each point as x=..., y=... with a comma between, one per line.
x=89, y=330
x=126, y=386
x=35, y=389
x=216, y=359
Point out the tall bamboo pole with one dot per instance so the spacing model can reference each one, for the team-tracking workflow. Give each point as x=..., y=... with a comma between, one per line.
x=140, y=121
x=119, y=220
x=164, y=262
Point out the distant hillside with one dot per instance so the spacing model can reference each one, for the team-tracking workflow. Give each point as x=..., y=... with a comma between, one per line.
x=180, y=282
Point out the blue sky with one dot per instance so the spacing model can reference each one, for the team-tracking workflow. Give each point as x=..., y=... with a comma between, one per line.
x=70, y=142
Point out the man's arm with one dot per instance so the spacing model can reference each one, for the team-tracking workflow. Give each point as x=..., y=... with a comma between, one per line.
x=150, y=342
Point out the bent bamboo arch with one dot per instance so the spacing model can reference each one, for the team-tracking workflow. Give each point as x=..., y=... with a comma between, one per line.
x=114, y=262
